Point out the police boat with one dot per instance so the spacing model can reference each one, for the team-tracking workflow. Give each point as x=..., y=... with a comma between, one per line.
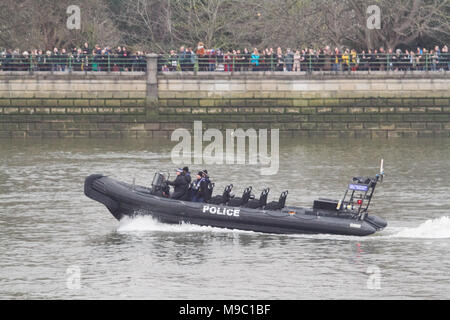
x=347, y=216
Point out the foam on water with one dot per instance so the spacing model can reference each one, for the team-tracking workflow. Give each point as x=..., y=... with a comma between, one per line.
x=148, y=223
x=430, y=229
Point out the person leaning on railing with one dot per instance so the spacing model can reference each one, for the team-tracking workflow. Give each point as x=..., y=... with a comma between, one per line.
x=228, y=62
x=202, y=60
x=211, y=60
x=308, y=59
x=279, y=64
x=345, y=60
x=327, y=59
x=78, y=59
x=318, y=60
x=186, y=64
x=172, y=61
x=405, y=59
x=2, y=60
x=419, y=59
x=255, y=60
x=263, y=64
x=245, y=59
x=433, y=60
x=237, y=64
x=445, y=58
x=289, y=60
x=337, y=59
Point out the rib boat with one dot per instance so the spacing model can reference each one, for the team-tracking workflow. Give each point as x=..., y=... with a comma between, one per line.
x=347, y=216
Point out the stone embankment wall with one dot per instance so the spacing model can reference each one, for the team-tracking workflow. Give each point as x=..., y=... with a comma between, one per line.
x=97, y=105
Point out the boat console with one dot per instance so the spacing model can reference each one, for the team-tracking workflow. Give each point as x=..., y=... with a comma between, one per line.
x=356, y=199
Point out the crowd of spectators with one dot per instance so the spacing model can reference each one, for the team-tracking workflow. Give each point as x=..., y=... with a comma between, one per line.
x=326, y=59
x=83, y=58
x=202, y=59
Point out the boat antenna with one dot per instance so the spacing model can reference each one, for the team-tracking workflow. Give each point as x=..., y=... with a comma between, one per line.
x=381, y=174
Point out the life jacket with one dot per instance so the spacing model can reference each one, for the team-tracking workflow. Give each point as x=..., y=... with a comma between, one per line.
x=198, y=184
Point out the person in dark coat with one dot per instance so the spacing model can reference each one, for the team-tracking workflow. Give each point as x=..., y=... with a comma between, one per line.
x=205, y=175
x=187, y=174
x=180, y=185
x=200, y=188
x=207, y=195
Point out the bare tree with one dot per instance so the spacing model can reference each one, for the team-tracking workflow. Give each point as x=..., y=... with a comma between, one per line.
x=402, y=22
x=31, y=24
x=160, y=25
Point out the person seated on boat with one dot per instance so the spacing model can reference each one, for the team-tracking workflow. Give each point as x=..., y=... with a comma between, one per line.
x=187, y=174
x=180, y=185
x=200, y=188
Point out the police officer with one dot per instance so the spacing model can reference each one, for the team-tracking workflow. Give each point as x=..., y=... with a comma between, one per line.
x=187, y=174
x=180, y=185
x=208, y=183
x=206, y=176
x=200, y=188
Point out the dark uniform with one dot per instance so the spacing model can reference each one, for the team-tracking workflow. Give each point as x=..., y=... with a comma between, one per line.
x=200, y=189
x=207, y=194
x=187, y=174
x=180, y=185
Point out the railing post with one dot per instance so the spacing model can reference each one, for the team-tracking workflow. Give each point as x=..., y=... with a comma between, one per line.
x=310, y=63
x=31, y=63
x=152, y=84
x=196, y=63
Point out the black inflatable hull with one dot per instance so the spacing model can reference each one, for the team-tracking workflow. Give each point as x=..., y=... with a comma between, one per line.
x=123, y=199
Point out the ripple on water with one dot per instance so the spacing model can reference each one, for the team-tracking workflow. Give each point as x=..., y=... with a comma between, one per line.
x=48, y=225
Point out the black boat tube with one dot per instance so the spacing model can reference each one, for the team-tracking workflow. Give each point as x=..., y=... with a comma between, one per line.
x=100, y=194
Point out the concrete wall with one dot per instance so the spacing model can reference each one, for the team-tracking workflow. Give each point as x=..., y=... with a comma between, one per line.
x=146, y=105
x=357, y=105
x=70, y=106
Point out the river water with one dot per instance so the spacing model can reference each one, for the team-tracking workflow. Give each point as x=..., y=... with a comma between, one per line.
x=58, y=244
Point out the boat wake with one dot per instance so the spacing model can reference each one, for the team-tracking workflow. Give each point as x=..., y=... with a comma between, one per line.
x=148, y=223
x=431, y=229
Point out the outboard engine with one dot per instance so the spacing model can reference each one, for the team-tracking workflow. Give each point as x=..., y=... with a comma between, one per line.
x=159, y=185
x=157, y=180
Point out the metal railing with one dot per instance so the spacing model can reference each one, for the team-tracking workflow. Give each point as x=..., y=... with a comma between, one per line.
x=68, y=63
x=305, y=62
x=229, y=63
